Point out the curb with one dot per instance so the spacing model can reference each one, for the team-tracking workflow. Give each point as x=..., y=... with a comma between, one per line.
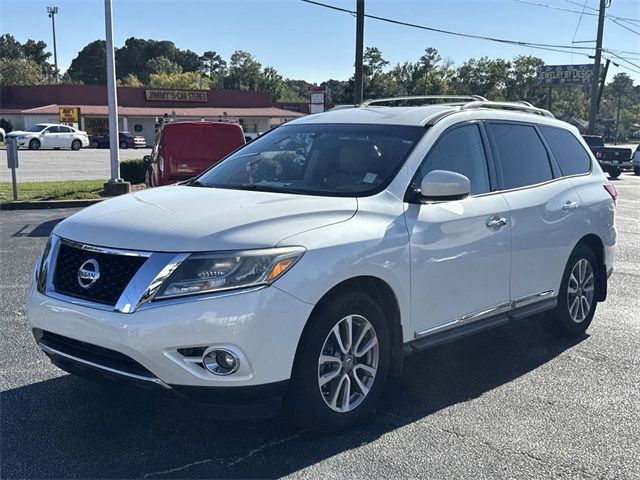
x=45, y=204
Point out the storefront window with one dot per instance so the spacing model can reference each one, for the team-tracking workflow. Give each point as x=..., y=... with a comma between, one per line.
x=137, y=128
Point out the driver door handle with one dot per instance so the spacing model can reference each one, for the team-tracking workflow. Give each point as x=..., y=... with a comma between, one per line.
x=496, y=222
x=570, y=205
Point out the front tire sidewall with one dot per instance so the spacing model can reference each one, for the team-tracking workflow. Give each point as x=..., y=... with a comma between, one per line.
x=304, y=401
x=34, y=144
x=124, y=145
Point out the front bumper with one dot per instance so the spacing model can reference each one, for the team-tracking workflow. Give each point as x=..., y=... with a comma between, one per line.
x=262, y=327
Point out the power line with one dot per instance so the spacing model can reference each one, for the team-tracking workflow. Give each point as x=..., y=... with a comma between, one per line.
x=624, y=59
x=578, y=25
x=542, y=46
x=625, y=27
x=628, y=19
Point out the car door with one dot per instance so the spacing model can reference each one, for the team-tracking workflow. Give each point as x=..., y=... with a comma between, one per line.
x=65, y=137
x=543, y=208
x=460, y=249
x=51, y=137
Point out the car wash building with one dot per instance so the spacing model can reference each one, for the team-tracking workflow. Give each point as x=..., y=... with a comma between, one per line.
x=140, y=110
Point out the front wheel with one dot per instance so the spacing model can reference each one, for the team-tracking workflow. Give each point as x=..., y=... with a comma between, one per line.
x=34, y=144
x=341, y=364
x=76, y=145
x=124, y=145
x=577, y=298
x=614, y=172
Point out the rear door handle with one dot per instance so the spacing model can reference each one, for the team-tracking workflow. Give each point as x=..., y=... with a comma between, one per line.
x=496, y=222
x=570, y=205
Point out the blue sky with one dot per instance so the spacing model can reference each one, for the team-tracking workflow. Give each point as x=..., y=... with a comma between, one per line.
x=315, y=44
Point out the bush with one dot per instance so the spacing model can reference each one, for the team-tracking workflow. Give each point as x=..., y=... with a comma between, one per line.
x=133, y=170
x=6, y=124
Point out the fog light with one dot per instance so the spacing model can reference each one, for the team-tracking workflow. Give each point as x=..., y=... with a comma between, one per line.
x=220, y=361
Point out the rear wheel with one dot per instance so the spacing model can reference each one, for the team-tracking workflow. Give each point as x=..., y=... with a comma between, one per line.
x=341, y=364
x=76, y=145
x=577, y=298
x=34, y=144
x=636, y=170
x=95, y=144
x=124, y=145
x=614, y=172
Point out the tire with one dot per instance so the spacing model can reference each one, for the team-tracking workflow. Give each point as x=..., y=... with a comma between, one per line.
x=95, y=144
x=567, y=319
x=326, y=408
x=636, y=170
x=76, y=145
x=124, y=145
x=614, y=173
x=34, y=144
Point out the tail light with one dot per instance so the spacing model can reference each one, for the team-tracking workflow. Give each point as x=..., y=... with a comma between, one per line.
x=611, y=190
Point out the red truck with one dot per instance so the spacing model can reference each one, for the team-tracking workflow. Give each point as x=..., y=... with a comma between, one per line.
x=183, y=149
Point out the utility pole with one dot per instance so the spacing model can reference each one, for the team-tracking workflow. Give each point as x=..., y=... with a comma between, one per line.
x=115, y=185
x=359, y=86
x=618, y=114
x=593, y=108
x=604, y=79
x=52, y=11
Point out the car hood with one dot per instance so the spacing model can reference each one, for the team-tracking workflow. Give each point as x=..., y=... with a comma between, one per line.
x=17, y=133
x=191, y=219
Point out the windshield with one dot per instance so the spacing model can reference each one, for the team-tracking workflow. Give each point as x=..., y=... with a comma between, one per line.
x=317, y=159
x=593, y=141
x=36, y=128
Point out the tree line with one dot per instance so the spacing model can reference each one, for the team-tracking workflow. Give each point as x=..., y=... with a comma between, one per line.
x=160, y=64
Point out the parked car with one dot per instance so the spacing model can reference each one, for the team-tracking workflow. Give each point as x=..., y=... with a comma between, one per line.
x=125, y=140
x=303, y=268
x=613, y=160
x=183, y=150
x=49, y=135
x=636, y=161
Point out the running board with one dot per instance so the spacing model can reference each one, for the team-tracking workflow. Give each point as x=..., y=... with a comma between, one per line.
x=453, y=334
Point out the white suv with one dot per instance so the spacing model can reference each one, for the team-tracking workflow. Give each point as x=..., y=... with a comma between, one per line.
x=307, y=264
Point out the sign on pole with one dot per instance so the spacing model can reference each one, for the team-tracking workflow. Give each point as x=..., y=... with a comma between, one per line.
x=12, y=163
x=565, y=75
x=316, y=99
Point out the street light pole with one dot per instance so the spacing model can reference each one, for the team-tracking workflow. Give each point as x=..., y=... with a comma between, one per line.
x=593, y=107
x=52, y=11
x=115, y=185
x=358, y=87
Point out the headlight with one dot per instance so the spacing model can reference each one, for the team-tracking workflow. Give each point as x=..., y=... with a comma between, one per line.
x=43, y=267
x=22, y=138
x=218, y=271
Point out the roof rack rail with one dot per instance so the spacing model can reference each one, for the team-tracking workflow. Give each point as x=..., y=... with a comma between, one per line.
x=520, y=106
x=459, y=98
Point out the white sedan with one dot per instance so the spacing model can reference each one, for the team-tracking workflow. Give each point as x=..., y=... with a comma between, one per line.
x=49, y=135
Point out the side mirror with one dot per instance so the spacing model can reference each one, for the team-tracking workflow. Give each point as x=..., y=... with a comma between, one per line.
x=146, y=159
x=444, y=185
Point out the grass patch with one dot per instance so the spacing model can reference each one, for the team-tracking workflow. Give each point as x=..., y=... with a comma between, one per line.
x=61, y=190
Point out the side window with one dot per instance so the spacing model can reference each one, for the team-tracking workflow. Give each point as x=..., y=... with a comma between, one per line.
x=460, y=150
x=64, y=129
x=569, y=152
x=522, y=155
x=52, y=130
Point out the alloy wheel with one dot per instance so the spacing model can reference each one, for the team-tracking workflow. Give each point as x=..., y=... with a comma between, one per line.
x=348, y=363
x=580, y=290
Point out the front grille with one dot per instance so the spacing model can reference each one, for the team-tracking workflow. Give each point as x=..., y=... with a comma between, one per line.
x=115, y=273
x=92, y=353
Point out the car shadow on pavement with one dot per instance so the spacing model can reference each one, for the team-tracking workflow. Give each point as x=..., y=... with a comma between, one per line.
x=42, y=230
x=70, y=427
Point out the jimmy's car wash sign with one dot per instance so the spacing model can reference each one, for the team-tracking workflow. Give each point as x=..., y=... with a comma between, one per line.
x=175, y=95
x=565, y=75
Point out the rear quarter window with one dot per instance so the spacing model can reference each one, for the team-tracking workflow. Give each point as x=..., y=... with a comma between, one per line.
x=571, y=156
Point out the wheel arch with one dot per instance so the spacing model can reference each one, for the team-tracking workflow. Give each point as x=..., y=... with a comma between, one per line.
x=596, y=245
x=383, y=294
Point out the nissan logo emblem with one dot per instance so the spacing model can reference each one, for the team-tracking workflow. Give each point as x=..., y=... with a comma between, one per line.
x=88, y=273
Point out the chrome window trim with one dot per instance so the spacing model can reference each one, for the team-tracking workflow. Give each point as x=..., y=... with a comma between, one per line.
x=53, y=351
x=482, y=314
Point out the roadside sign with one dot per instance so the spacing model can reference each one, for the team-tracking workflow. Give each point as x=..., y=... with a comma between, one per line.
x=12, y=163
x=565, y=75
x=69, y=114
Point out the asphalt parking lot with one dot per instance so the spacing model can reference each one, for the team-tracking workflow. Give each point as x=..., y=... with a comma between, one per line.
x=47, y=165
x=509, y=403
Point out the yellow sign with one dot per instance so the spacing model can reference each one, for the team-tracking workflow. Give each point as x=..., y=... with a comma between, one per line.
x=69, y=114
x=175, y=95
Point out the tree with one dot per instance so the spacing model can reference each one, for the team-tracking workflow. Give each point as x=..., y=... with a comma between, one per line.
x=10, y=48
x=271, y=83
x=181, y=81
x=621, y=103
x=373, y=62
x=521, y=82
x=244, y=71
x=89, y=67
x=162, y=65
x=214, y=66
x=130, y=81
x=20, y=71
x=484, y=76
